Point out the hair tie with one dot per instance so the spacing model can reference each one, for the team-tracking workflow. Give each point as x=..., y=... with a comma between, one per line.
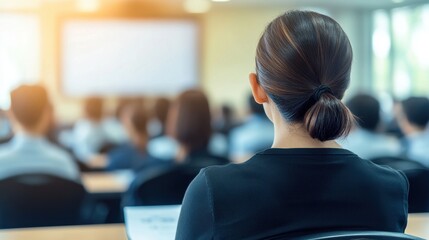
x=319, y=91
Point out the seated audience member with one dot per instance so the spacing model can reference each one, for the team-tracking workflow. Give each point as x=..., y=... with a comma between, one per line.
x=161, y=145
x=88, y=134
x=166, y=148
x=5, y=127
x=226, y=121
x=365, y=140
x=158, y=119
x=256, y=134
x=413, y=117
x=112, y=124
x=133, y=154
x=189, y=124
x=306, y=183
x=29, y=151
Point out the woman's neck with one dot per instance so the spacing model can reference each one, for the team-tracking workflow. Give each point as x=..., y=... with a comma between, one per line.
x=296, y=136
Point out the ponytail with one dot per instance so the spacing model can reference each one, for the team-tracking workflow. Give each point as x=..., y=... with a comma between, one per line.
x=328, y=118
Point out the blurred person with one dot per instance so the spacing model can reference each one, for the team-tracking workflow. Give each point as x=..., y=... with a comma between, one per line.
x=189, y=124
x=112, y=124
x=161, y=145
x=167, y=148
x=413, y=117
x=365, y=140
x=89, y=135
x=226, y=121
x=132, y=154
x=305, y=183
x=254, y=135
x=29, y=151
x=159, y=117
x=5, y=127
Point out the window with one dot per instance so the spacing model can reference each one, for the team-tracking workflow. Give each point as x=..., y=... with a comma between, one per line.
x=400, y=51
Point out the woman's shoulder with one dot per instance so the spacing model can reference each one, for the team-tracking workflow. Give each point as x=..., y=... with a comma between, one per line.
x=230, y=173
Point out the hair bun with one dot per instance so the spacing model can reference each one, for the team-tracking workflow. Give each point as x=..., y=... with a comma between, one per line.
x=328, y=118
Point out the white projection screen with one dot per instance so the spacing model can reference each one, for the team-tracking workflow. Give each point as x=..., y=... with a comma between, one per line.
x=128, y=57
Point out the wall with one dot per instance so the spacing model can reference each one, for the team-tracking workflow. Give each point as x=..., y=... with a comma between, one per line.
x=230, y=39
x=229, y=42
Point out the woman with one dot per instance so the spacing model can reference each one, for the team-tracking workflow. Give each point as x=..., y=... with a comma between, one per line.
x=305, y=183
x=133, y=153
x=189, y=123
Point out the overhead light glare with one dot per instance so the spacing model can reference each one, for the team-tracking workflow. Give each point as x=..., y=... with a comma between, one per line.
x=197, y=6
x=19, y=4
x=88, y=5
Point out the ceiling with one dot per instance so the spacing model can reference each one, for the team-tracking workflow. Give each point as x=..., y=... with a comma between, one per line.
x=366, y=4
x=363, y=4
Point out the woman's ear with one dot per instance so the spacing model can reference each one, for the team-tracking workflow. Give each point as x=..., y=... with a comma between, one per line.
x=258, y=92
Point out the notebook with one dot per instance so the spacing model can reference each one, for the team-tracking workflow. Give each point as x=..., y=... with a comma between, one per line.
x=151, y=222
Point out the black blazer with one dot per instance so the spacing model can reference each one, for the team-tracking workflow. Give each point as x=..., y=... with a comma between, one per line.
x=291, y=192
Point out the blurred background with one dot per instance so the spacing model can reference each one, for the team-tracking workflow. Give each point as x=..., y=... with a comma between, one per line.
x=44, y=41
x=119, y=72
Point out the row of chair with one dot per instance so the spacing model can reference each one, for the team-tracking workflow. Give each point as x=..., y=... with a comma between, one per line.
x=34, y=200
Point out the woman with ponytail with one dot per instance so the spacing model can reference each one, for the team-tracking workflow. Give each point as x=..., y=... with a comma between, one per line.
x=305, y=183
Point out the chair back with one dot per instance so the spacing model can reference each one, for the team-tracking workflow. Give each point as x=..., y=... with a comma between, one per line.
x=160, y=186
x=35, y=200
x=398, y=163
x=418, y=178
x=418, y=195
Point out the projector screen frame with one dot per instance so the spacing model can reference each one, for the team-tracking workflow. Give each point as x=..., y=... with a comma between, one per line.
x=122, y=17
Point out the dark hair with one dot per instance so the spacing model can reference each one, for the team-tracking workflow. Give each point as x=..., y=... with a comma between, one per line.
x=93, y=107
x=28, y=103
x=416, y=110
x=162, y=105
x=138, y=118
x=366, y=109
x=255, y=107
x=303, y=62
x=189, y=120
x=123, y=102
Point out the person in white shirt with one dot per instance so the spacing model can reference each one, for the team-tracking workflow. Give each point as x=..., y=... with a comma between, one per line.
x=29, y=151
x=365, y=140
x=413, y=116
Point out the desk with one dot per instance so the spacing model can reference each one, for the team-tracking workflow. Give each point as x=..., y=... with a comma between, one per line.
x=89, y=232
x=418, y=225
x=106, y=188
x=107, y=182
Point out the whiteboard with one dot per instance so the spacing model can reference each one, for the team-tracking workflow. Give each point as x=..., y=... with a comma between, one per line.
x=128, y=57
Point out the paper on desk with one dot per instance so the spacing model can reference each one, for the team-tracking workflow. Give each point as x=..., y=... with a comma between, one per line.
x=152, y=222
